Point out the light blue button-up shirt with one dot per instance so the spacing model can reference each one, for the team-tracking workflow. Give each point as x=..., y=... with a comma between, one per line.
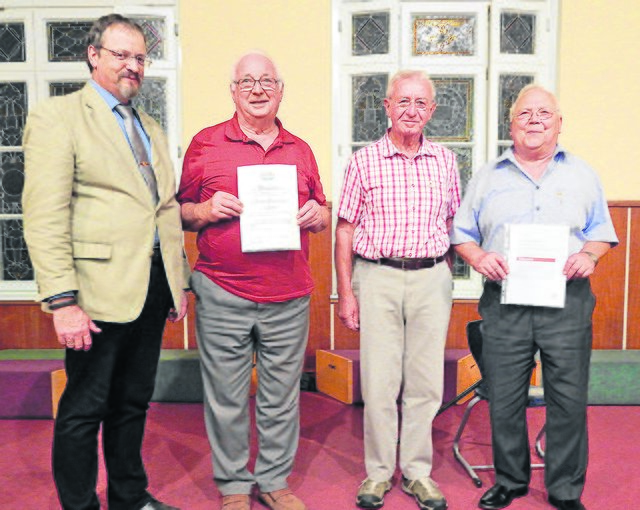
x=568, y=193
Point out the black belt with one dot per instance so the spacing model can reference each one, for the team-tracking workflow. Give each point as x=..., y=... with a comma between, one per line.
x=406, y=263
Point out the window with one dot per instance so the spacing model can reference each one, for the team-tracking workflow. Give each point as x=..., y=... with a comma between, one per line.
x=479, y=55
x=42, y=54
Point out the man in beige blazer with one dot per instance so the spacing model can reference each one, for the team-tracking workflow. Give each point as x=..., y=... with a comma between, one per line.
x=104, y=235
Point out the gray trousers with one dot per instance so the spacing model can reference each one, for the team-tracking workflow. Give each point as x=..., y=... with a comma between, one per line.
x=511, y=336
x=230, y=330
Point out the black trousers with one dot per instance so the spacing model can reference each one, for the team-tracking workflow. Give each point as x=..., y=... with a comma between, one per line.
x=511, y=336
x=110, y=385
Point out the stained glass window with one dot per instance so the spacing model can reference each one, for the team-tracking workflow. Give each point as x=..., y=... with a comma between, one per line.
x=152, y=99
x=370, y=33
x=464, y=157
x=12, y=43
x=67, y=40
x=11, y=182
x=154, y=34
x=517, y=32
x=443, y=35
x=369, y=117
x=452, y=120
x=62, y=88
x=13, y=112
x=16, y=264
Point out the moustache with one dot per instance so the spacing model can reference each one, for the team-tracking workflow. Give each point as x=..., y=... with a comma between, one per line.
x=131, y=76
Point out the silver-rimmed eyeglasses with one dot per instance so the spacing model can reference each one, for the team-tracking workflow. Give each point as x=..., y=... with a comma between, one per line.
x=247, y=84
x=421, y=104
x=525, y=116
x=125, y=56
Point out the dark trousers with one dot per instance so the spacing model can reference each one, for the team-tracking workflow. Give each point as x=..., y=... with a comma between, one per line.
x=511, y=336
x=111, y=384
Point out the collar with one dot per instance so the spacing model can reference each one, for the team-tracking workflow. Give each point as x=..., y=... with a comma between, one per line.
x=559, y=154
x=233, y=133
x=389, y=150
x=109, y=98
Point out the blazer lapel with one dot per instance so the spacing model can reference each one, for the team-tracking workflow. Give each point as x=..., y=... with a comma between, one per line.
x=104, y=122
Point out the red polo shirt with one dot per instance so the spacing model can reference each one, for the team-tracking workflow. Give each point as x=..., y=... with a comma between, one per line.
x=210, y=165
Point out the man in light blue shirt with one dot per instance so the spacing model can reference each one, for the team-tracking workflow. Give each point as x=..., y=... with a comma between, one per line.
x=536, y=182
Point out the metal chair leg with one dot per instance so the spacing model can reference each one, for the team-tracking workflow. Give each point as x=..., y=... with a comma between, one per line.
x=456, y=443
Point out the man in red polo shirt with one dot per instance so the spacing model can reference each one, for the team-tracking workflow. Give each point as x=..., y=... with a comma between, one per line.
x=250, y=302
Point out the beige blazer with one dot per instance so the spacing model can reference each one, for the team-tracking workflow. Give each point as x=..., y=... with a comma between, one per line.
x=89, y=219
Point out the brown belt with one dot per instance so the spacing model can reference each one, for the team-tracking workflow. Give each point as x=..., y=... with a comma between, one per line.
x=405, y=263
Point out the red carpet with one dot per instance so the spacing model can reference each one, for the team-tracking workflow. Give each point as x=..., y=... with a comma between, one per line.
x=329, y=464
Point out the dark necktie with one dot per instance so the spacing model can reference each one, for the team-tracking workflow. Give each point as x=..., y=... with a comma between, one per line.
x=139, y=151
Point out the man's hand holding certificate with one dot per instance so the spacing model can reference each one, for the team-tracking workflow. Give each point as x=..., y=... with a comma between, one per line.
x=536, y=255
x=269, y=194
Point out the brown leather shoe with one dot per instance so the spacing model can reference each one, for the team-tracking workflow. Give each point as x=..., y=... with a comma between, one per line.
x=236, y=502
x=283, y=499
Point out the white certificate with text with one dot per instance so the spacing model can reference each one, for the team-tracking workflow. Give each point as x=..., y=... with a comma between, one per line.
x=536, y=255
x=269, y=195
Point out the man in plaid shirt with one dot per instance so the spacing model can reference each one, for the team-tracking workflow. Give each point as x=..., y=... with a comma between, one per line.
x=398, y=200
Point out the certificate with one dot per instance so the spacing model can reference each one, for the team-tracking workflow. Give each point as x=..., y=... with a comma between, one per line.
x=536, y=255
x=269, y=195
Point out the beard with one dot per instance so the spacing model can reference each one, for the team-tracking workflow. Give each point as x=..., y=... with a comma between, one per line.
x=129, y=88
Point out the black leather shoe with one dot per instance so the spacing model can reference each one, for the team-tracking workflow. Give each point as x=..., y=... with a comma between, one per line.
x=500, y=496
x=567, y=504
x=154, y=504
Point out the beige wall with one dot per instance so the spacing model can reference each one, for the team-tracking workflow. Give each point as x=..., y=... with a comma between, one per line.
x=599, y=89
x=598, y=75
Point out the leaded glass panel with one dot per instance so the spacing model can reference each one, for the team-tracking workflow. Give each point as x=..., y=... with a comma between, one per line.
x=464, y=157
x=370, y=33
x=154, y=33
x=152, y=99
x=369, y=116
x=11, y=182
x=16, y=264
x=510, y=86
x=460, y=269
x=443, y=35
x=62, y=88
x=67, y=40
x=12, y=42
x=452, y=120
x=517, y=33
x=13, y=112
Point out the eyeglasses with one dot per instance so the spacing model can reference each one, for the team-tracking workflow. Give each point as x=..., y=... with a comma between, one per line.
x=526, y=115
x=247, y=84
x=124, y=56
x=421, y=104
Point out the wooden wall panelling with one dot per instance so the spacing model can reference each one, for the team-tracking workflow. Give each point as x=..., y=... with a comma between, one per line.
x=320, y=260
x=23, y=325
x=633, y=312
x=607, y=284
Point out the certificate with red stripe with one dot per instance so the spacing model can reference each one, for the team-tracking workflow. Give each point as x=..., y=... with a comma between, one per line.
x=536, y=255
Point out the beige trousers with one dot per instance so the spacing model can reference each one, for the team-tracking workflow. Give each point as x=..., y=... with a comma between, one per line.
x=404, y=316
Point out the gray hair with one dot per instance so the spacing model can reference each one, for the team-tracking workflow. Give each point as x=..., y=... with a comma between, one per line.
x=410, y=73
x=529, y=88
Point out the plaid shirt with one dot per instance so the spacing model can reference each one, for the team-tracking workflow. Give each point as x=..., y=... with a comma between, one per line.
x=400, y=206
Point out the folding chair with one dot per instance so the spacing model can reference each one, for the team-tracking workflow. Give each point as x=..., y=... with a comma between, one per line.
x=536, y=398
